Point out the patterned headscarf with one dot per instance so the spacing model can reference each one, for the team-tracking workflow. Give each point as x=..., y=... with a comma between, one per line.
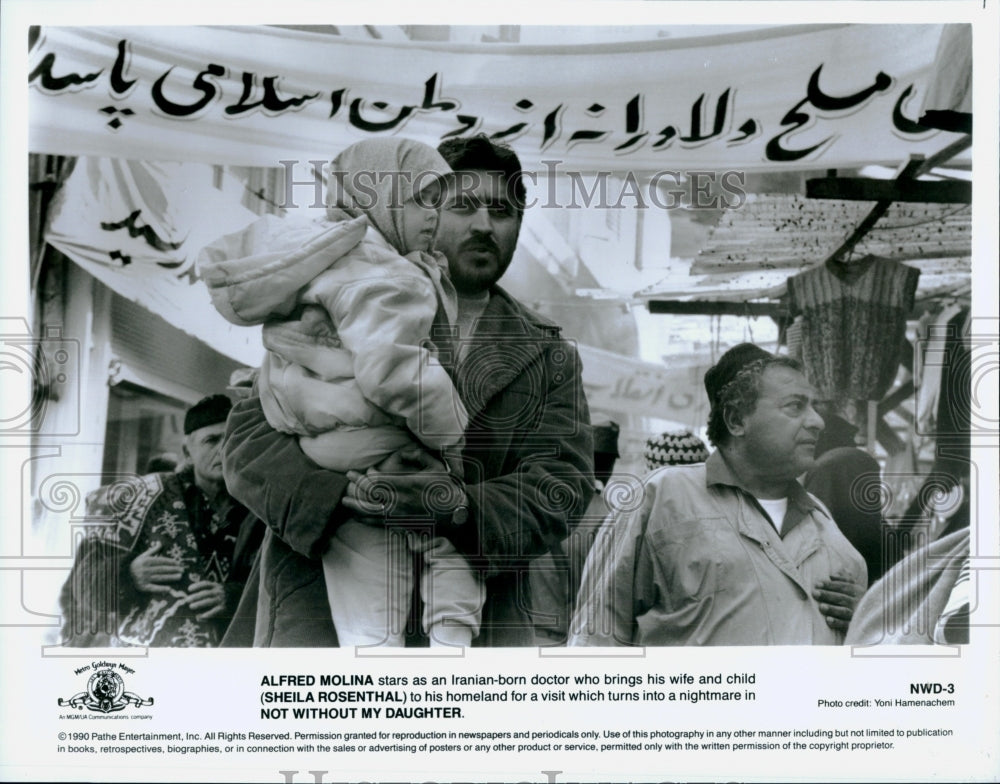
x=374, y=177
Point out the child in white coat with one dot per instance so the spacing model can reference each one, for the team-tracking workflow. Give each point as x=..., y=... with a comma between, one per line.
x=348, y=304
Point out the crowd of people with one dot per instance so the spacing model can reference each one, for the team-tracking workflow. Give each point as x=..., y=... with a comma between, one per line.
x=415, y=463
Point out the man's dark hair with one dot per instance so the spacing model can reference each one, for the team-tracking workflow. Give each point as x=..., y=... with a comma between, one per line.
x=481, y=153
x=740, y=394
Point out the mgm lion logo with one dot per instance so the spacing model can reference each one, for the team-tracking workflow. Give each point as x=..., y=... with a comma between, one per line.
x=105, y=688
x=105, y=694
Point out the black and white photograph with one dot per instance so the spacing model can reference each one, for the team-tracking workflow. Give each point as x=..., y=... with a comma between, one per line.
x=665, y=337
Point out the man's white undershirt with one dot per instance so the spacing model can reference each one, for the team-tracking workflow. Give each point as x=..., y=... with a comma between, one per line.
x=776, y=509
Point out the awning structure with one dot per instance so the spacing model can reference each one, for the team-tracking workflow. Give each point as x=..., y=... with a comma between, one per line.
x=753, y=250
x=920, y=215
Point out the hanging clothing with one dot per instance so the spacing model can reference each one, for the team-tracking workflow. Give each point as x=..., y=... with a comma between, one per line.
x=793, y=339
x=854, y=324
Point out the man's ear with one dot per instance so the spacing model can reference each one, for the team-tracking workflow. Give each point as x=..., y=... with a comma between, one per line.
x=734, y=422
x=184, y=451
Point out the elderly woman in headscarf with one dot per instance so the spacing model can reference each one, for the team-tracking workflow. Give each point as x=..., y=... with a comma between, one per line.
x=348, y=303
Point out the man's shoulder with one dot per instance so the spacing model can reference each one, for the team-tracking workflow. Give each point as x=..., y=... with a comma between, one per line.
x=676, y=476
x=819, y=508
x=503, y=304
x=667, y=497
x=512, y=318
x=679, y=487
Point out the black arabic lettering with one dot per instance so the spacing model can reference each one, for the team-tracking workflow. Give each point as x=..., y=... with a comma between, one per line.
x=900, y=121
x=830, y=103
x=721, y=110
x=171, y=264
x=119, y=84
x=586, y=136
x=431, y=102
x=468, y=124
x=748, y=131
x=515, y=129
x=666, y=138
x=524, y=106
x=270, y=101
x=146, y=232
x=50, y=83
x=337, y=100
x=360, y=122
x=432, y=98
x=115, y=122
x=207, y=88
x=776, y=152
x=552, y=126
x=633, y=124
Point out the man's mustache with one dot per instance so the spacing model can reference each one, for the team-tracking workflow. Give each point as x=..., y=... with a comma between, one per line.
x=484, y=242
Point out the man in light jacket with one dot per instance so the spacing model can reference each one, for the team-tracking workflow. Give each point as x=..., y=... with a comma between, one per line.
x=732, y=551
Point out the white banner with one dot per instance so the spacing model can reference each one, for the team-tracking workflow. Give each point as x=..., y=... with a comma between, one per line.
x=613, y=382
x=137, y=227
x=796, y=97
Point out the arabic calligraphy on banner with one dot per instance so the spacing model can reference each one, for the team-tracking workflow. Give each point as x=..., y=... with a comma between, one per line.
x=615, y=383
x=830, y=95
x=137, y=226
